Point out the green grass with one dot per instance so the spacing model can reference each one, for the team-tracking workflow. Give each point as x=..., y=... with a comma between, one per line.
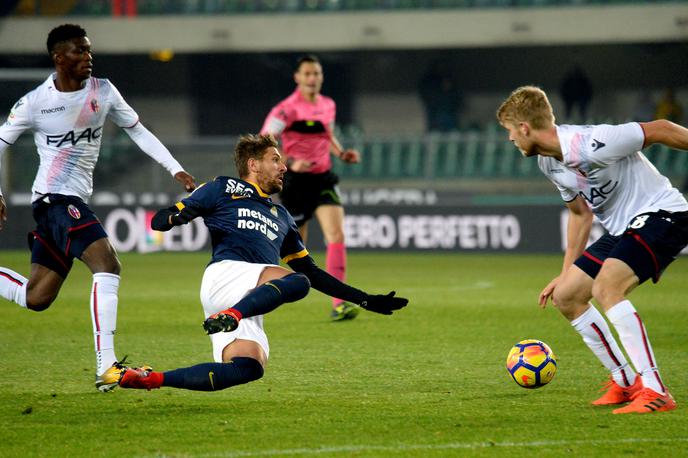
x=427, y=382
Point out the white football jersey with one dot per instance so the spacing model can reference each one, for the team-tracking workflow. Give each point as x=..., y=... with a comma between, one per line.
x=67, y=128
x=603, y=164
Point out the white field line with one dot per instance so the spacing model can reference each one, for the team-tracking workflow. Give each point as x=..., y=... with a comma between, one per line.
x=449, y=446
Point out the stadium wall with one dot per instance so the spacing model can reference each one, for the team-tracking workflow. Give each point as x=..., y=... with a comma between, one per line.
x=387, y=219
x=634, y=23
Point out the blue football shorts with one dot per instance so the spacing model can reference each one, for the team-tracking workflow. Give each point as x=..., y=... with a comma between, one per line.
x=649, y=244
x=66, y=226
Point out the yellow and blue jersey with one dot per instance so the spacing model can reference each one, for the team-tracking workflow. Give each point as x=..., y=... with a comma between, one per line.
x=244, y=223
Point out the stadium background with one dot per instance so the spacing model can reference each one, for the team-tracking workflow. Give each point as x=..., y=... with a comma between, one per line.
x=440, y=209
x=201, y=72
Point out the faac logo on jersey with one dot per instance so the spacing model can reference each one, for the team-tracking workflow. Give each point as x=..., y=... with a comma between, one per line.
x=599, y=193
x=238, y=189
x=73, y=138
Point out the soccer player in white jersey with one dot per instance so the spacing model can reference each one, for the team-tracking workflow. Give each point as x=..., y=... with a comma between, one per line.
x=66, y=114
x=601, y=171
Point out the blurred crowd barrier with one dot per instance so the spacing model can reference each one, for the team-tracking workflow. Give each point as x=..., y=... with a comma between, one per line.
x=162, y=7
x=434, y=160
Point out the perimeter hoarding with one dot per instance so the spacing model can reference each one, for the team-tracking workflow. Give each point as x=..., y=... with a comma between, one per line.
x=523, y=229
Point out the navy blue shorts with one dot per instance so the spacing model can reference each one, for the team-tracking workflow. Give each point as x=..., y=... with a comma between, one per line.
x=304, y=192
x=66, y=226
x=650, y=243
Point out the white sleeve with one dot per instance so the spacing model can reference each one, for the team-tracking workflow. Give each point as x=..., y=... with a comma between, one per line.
x=545, y=165
x=17, y=122
x=153, y=147
x=566, y=194
x=120, y=112
x=610, y=144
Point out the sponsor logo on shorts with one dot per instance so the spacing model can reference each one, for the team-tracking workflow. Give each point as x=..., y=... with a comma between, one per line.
x=73, y=211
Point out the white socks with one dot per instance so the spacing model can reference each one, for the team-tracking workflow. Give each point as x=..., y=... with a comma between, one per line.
x=13, y=286
x=104, y=316
x=634, y=338
x=596, y=334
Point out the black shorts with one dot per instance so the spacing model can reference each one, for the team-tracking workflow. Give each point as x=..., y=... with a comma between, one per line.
x=650, y=243
x=66, y=226
x=304, y=192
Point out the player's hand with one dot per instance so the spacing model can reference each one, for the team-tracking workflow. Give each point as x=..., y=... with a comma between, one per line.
x=3, y=212
x=300, y=165
x=546, y=293
x=185, y=179
x=384, y=304
x=350, y=156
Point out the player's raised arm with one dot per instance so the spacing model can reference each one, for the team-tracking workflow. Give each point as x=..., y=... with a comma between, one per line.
x=384, y=304
x=665, y=132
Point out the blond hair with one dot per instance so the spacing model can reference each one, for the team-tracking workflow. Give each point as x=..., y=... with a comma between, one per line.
x=527, y=104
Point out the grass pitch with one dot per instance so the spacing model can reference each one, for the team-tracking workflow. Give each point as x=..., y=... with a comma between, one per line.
x=428, y=381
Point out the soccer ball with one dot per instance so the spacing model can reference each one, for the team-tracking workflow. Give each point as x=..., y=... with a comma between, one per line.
x=531, y=363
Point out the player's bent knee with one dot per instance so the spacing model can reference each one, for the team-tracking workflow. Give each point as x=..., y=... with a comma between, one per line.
x=39, y=303
x=293, y=287
x=606, y=294
x=238, y=371
x=251, y=368
x=563, y=301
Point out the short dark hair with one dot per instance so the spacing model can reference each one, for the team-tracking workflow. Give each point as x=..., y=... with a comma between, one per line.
x=64, y=32
x=251, y=147
x=306, y=59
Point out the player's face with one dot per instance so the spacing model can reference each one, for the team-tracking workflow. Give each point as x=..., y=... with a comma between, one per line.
x=309, y=78
x=270, y=171
x=518, y=135
x=74, y=58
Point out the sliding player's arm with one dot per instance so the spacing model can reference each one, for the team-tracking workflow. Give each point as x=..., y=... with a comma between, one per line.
x=187, y=209
x=327, y=284
x=179, y=214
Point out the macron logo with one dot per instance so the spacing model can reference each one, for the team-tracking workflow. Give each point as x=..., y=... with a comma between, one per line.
x=52, y=110
x=596, y=144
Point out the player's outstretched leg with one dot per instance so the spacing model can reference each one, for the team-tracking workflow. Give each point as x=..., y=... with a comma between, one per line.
x=13, y=286
x=261, y=300
x=201, y=377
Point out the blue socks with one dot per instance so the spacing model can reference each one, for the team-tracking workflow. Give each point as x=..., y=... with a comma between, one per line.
x=214, y=376
x=270, y=295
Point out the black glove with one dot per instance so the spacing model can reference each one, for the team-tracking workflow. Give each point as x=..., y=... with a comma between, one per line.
x=384, y=304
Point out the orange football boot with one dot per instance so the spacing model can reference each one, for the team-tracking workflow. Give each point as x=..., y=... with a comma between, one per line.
x=648, y=400
x=617, y=394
